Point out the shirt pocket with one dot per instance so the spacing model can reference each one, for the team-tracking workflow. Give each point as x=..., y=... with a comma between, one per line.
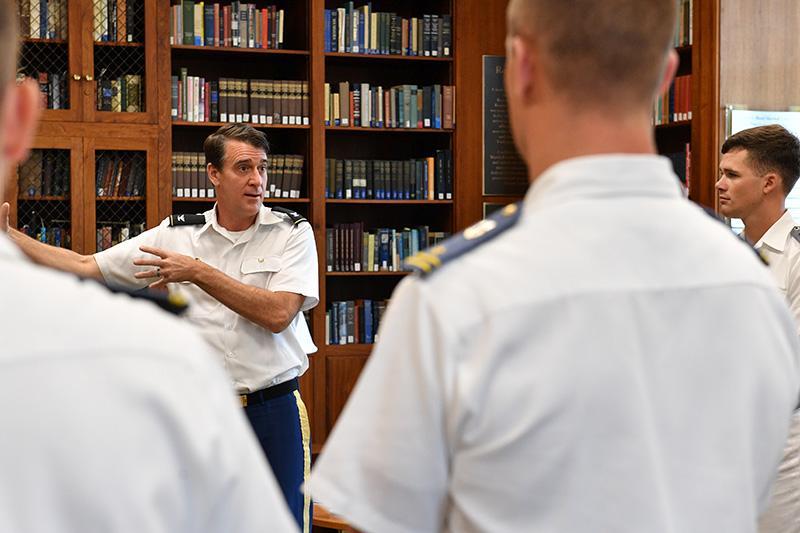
x=258, y=270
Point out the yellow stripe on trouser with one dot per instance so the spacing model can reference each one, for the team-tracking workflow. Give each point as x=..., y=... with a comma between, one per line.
x=306, y=430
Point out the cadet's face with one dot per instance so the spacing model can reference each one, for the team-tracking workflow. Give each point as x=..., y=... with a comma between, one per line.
x=740, y=188
x=241, y=183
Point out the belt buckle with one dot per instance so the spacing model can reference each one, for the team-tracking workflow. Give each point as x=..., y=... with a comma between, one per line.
x=243, y=399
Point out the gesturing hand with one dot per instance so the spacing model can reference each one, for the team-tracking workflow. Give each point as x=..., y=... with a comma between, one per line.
x=169, y=267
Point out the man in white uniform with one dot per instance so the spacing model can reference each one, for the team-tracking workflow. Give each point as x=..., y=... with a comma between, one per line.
x=247, y=271
x=115, y=416
x=758, y=169
x=569, y=374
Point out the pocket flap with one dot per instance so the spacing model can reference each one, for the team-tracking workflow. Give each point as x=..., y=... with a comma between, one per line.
x=268, y=263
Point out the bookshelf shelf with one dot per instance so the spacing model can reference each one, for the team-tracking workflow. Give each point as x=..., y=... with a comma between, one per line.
x=120, y=198
x=43, y=41
x=378, y=57
x=389, y=202
x=184, y=123
x=348, y=349
x=390, y=130
x=42, y=199
x=114, y=44
x=266, y=200
x=382, y=273
x=674, y=125
x=238, y=50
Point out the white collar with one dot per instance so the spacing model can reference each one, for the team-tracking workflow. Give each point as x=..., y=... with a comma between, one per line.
x=265, y=217
x=603, y=176
x=777, y=235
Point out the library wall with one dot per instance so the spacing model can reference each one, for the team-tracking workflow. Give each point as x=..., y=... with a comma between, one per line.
x=759, y=53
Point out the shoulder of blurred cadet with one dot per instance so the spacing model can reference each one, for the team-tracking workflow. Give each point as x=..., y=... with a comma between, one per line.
x=429, y=261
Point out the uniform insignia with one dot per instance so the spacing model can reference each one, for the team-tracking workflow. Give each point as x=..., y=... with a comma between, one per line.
x=187, y=220
x=294, y=216
x=430, y=260
x=796, y=233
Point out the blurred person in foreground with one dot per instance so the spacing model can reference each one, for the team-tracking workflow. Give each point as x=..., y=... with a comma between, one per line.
x=115, y=415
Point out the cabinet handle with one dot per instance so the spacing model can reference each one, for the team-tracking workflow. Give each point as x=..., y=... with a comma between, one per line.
x=76, y=77
x=89, y=77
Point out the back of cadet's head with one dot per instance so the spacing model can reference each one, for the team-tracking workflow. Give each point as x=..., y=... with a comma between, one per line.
x=599, y=52
x=769, y=149
x=214, y=145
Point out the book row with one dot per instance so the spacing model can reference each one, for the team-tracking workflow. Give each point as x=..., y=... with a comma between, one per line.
x=682, y=164
x=109, y=234
x=404, y=106
x=120, y=176
x=359, y=30
x=190, y=178
x=676, y=104
x=236, y=25
x=44, y=173
x=354, y=321
x=196, y=99
x=53, y=86
x=123, y=94
x=43, y=19
x=683, y=32
x=57, y=233
x=352, y=249
x=430, y=178
x=116, y=20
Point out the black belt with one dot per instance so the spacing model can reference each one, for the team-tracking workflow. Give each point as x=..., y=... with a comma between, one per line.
x=270, y=393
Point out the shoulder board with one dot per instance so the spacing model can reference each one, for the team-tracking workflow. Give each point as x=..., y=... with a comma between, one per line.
x=428, y=261
x=170, y=302
x=187, y=220
x=294, y=216
x=796, y=233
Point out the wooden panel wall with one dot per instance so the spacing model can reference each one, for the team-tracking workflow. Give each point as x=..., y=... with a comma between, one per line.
x=760, y=53
x=480, y=27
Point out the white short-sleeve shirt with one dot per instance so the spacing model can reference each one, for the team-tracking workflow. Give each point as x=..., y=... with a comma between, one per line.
x=272, y=254
x=617, y=361
x=782, y=252
x=116, y=417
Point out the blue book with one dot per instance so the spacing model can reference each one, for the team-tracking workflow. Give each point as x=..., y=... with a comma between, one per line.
x=208, y=23
x=368, y=336
x=334, y=324
x=327, y=30
x=342, y=322
x=383, y=249
x=362, y=28
x=43, y=20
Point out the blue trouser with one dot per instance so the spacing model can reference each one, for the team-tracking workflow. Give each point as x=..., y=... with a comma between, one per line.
x=282, y=428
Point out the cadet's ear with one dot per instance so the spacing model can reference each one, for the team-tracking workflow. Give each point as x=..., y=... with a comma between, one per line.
x=213, y=174
x=521, y=69
x=771, y=182
x=668, y=74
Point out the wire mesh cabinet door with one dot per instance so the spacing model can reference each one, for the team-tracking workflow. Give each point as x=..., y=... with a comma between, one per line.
x=46, y=193
x=119, y=61
x=50, y=53
x=121, y=190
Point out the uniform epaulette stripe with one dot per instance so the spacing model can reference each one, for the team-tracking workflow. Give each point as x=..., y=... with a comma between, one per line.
x=419, y=263
x=427, y=256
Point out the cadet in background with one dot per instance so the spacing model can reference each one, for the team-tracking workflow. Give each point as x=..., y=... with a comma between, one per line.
x=758, y=169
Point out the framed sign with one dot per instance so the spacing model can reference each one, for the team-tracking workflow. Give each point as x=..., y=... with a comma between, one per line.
x=504, y=172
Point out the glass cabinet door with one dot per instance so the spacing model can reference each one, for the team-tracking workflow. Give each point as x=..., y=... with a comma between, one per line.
x=46, y=196
x=50, y=54
x=121, y=175
x=120, y=62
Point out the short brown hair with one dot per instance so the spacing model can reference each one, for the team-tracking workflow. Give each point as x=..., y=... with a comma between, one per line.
x=769, y=149
x=214, y=145
x=599, y=52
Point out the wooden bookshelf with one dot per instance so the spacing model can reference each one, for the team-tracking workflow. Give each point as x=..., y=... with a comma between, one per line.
x=187, y=124
x=382, y=57
x=239, y=50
